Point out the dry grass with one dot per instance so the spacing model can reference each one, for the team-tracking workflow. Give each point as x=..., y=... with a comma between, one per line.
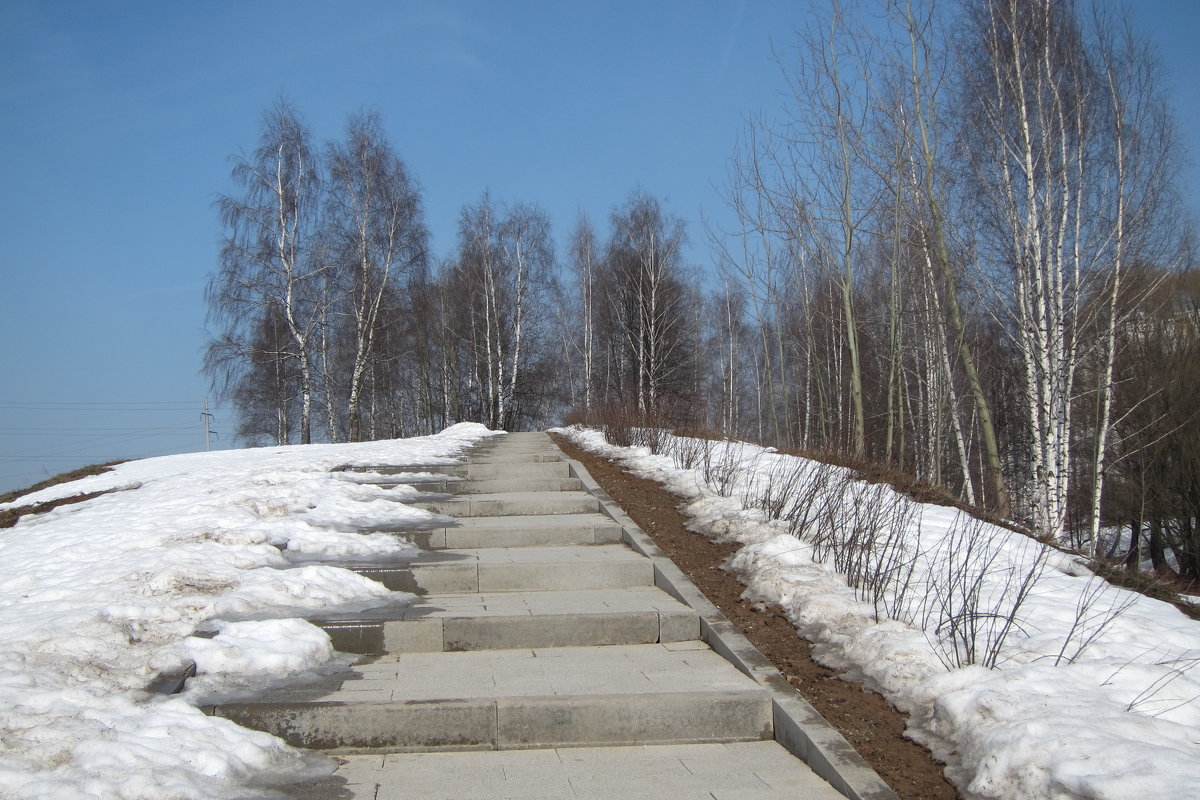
x=9, y=517
x=1149, y=584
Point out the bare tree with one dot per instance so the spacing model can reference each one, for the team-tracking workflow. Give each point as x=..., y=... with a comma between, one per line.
x=503, y=271
x=269, y=266
x=1139, y=150
x=378, y=238
x=585, y=264
x=648, y=306
x=1068, y=147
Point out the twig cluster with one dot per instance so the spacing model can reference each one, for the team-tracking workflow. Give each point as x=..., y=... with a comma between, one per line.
x=969, y=600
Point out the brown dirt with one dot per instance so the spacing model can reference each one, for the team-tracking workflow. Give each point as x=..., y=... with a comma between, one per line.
x=9, y=516
x=869, y=723
x=65, y=477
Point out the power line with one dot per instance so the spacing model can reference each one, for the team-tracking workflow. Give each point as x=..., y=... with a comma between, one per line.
x=76, y=431
x=140, y=407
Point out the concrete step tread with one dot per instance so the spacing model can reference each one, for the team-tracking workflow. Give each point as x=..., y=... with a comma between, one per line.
x=531, y=555
x=676, y=668
x=506, y=620
x=494, y=457
x=761, y=770
x=521, y=531
x=534, y=521
x=413, y=479
x=550, y=554
x=633, y=598
x=506, y=604
x=523, y=496
x=494, y=504
x=545, y=469
x=512, y=699
x=517, y=483
x=512, y=569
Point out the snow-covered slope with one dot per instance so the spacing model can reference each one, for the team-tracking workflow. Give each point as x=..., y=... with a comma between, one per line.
x=98, y=598
x=1093, y=694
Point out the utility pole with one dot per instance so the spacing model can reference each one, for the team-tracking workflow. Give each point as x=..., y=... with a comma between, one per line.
x=207, y=419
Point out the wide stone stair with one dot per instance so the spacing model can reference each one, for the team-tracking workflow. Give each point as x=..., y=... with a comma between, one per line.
x=551, y=653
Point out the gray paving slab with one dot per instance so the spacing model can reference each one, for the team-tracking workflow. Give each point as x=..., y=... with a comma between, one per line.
x=644, y=669
x=515, y=569
x=514, y=504
x=521, y=531
x=516, y=457
x=511, y=446
x=499, y=469
x=406, y=469
x=521, y=483
x=758, y=770
x=509, y=620
x=482, y=664
x=622, y=694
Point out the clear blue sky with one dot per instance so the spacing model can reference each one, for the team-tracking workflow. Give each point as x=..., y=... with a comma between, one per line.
x=117, y=120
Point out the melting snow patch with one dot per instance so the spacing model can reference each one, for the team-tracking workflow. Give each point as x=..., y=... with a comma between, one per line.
x=98, y=600
x=1094, y=691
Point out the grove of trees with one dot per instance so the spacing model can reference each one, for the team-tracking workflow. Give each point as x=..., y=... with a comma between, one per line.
x=959, y=253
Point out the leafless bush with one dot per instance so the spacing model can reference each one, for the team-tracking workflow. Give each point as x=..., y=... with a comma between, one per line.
x=775, y=491
x=972, y=604
x=873, y=550
x=616, y=424
x=720, y=466
x=648, y=435
x=1099, y=605
x=820, y=521
x=688, y=451
x=872, y=534
x=1179, y=668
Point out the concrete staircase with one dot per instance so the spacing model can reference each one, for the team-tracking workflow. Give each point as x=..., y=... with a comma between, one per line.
x=543, y=659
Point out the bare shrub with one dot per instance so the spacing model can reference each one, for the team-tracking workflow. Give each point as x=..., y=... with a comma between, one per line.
x=1098, y=606
x=874, y=553
x=687, y=451
x=720, y=467
x=1179, y=668
x=972, y=604
x=824, y=517
x=775, y=491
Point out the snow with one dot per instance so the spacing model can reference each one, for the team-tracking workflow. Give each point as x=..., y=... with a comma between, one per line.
x=1093, y=693
x=205, y=558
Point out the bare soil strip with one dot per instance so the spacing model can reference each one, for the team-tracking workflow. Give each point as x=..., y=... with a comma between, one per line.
x=868, y=722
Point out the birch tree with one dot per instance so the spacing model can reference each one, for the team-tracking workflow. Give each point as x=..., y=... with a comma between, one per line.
x=270, y=266
x=1139, y=150
x=648, y=305
x=585, y=264
x=502, y=274
x=379, y=238
x=1069, y=161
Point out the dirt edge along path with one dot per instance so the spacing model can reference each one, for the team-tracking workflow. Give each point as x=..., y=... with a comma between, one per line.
x=868, y=722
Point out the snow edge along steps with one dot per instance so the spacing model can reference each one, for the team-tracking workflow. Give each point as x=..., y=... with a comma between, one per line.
x=799, y=727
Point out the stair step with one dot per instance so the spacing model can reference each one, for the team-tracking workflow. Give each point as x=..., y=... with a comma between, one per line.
x=760, y=770
x=500, y=699
x=517, y=569
x=408, y=469
x=517, y=457
x=516, y=481
x=514, y=504
x=545, y=469
x=520, y=531
x=519, y=483
x=441, y=484
x=511, y=620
